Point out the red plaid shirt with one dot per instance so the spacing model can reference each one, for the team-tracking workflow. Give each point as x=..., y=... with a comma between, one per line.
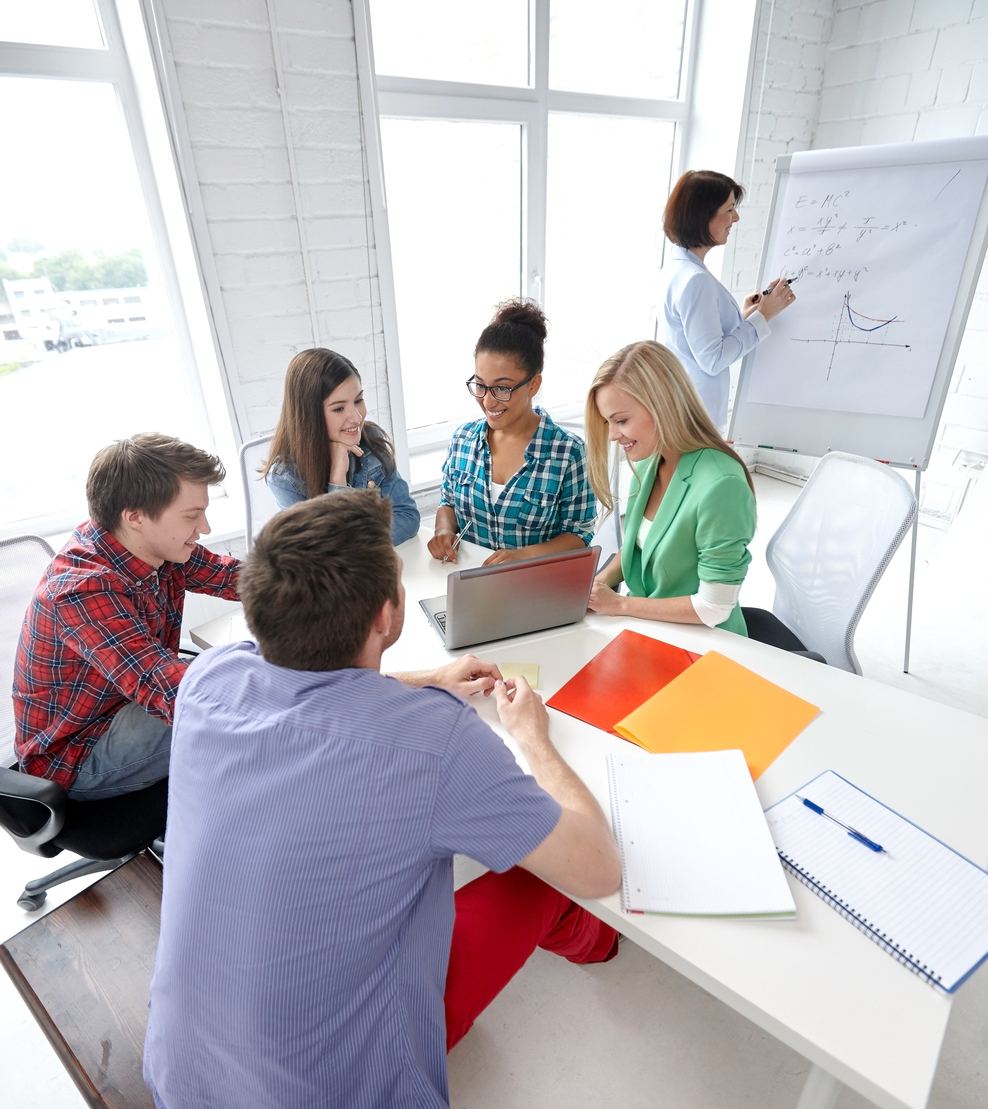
x=103, y=629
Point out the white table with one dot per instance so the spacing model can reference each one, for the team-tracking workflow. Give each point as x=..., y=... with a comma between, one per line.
x=816, y=983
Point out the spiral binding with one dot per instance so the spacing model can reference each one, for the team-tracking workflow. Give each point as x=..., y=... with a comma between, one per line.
x=928, y=976
x=616, y=822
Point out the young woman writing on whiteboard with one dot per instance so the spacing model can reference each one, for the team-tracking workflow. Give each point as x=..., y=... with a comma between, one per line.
x=324, y=441
x=516, y=478
x=699, y=320
x=691, y=513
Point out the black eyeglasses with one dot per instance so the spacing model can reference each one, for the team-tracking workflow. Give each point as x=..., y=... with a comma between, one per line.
x=498, y=392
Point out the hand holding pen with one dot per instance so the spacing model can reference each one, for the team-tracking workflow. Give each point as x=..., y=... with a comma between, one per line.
x=771, y=301
x=852, y=832
x=456, y=541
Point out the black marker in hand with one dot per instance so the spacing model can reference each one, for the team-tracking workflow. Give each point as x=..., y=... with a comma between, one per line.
x=756, y=297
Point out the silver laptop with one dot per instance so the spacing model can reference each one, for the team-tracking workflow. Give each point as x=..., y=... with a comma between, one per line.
x=514, y=598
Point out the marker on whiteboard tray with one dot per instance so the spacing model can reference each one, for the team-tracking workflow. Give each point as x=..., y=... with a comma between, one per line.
x=769, y=447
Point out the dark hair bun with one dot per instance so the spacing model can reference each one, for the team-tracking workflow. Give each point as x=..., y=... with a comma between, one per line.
x=518, y=330
x=522, y=311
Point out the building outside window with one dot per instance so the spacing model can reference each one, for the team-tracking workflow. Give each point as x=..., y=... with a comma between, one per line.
x=81, y=227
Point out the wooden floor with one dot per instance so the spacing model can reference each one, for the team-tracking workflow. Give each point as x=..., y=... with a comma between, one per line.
x=84, y=971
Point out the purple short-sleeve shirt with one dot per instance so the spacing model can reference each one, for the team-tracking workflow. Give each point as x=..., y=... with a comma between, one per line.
x=308, y=893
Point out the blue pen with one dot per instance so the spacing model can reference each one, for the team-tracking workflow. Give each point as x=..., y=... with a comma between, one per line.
x=853, y=833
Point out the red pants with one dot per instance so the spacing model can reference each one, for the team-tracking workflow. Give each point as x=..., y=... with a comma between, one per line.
x=500, y=920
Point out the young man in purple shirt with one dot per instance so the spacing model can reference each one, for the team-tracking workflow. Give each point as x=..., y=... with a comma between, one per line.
x=315, y=806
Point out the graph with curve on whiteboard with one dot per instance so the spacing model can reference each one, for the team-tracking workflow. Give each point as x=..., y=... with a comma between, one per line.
x=876, y=261
x=854, y=328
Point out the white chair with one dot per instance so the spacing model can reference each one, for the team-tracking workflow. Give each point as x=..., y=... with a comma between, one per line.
x=832, y=549
x=609, y=534
x=22, y=562
x=258, y=498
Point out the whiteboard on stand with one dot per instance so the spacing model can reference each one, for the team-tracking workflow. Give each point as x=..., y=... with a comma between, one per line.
x=885, y=246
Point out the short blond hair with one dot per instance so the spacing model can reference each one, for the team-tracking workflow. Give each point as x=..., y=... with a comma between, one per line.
x=655, y=377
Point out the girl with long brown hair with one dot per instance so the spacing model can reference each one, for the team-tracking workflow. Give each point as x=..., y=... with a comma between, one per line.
x=324, y=441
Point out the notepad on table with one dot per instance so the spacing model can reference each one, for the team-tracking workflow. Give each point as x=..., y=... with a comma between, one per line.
x=921, y=901
x=719, y=703
x=629, y=670
x=693, y=837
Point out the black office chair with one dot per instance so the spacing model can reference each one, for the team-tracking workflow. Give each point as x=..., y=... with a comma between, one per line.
x=42, y=819
x=765, y=627
x=37, y=813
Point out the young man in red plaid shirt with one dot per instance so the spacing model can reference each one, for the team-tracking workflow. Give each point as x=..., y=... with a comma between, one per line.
x=97, y=665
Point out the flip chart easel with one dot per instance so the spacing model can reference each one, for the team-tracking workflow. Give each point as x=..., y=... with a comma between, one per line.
x=886, y=245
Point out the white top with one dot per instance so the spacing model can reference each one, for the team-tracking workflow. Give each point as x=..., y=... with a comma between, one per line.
x=700, y=322
x=497, y=490
x=642, y=535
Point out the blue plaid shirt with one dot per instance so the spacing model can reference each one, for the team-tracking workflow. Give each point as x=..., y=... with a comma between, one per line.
x=549, y=496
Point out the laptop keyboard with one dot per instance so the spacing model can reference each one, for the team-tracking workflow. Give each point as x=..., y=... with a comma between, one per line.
x=440, y=619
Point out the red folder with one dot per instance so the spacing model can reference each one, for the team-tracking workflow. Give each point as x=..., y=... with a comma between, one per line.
x=625, y=674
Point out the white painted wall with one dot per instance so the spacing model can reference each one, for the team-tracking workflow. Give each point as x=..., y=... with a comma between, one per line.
x=264, y=232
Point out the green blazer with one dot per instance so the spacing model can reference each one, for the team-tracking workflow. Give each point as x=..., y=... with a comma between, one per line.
x=701, y=531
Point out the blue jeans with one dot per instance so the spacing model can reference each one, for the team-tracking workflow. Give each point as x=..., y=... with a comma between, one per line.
x=133, y=754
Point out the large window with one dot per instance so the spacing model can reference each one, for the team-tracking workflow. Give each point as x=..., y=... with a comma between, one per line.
x=529, y=148
x=94, y=345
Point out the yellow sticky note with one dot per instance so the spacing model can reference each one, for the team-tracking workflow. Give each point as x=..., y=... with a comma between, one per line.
x=527, y=670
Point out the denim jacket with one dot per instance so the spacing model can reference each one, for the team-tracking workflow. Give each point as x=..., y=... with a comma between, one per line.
x=288, y=488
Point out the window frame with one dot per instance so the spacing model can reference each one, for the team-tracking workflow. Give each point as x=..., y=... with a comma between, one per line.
x=127, y=28
x=529, y=107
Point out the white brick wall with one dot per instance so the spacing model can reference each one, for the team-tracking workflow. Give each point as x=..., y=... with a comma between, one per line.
x=790, y=55
x=225, y=62
x=929, y=80
x=848, y=73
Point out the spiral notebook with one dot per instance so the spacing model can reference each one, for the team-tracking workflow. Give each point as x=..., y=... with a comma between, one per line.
x=693, y=837
x=922, y=902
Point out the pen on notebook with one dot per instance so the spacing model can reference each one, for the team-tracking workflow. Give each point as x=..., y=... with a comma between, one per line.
x=852, y=832
x=456, y=541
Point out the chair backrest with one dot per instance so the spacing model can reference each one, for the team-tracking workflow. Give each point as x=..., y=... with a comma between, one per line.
x=258, y=498
x=832, y=549
x=22, y=562
x=609, y=535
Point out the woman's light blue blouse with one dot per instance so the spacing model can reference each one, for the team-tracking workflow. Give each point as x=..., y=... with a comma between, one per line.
x=700, y=322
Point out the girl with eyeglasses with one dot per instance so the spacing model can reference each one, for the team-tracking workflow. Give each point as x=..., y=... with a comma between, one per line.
x=519, y=481
x=324, y=441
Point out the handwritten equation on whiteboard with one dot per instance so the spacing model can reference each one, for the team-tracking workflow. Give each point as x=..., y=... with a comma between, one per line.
x=878, y=255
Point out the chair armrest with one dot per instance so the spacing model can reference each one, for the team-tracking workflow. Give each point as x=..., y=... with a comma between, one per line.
x=18, y=794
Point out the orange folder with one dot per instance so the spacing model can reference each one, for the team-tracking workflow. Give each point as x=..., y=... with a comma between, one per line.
x=715, y=705
x=619, y=678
